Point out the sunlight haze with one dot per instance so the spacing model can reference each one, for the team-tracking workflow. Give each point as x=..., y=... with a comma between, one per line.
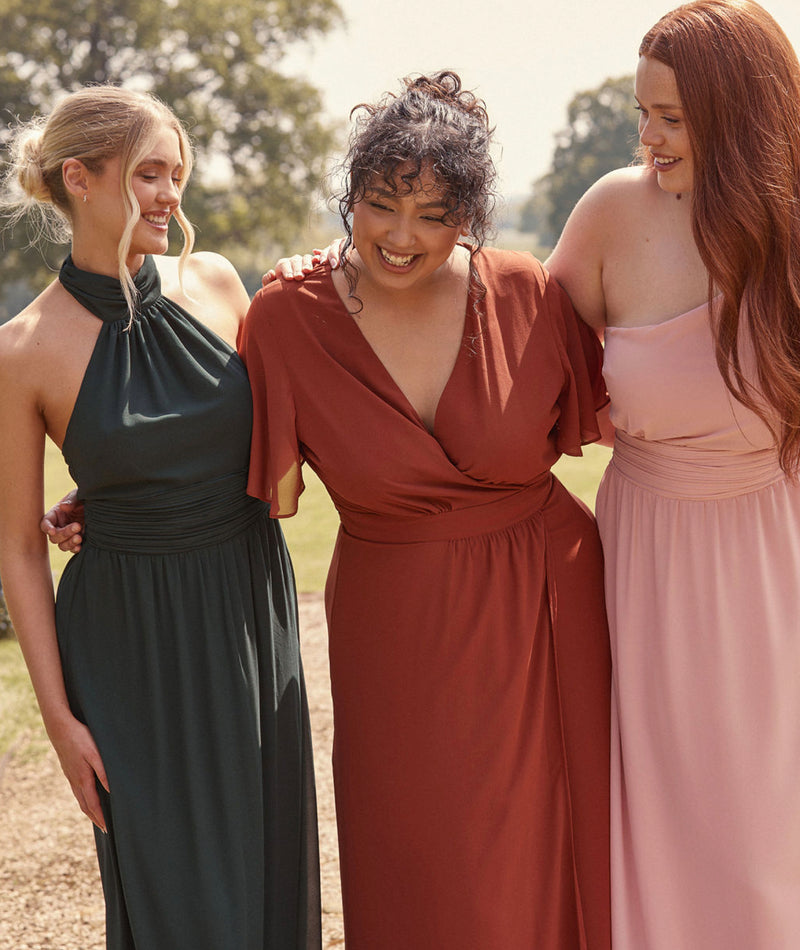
x=526, y=59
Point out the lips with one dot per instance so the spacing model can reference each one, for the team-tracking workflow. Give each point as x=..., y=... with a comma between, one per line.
x=396, y=260
x=160, y=220
x=664, y=163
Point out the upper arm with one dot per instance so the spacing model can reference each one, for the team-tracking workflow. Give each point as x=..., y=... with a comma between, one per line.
x=577, y=261
x=22, y=434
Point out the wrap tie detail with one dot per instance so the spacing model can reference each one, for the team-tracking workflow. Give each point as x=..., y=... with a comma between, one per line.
x=451, y=525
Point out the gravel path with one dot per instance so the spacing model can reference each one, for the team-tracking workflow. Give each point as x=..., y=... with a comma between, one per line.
x=50, y=894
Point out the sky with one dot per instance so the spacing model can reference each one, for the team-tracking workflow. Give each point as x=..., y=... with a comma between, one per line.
x=525, y=58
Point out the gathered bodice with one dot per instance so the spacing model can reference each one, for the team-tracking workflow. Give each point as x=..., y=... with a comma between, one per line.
x=680, y=432
x=665, y=386
x=161, y=425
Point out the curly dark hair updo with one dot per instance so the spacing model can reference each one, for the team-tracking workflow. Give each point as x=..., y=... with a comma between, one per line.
x=435, y=125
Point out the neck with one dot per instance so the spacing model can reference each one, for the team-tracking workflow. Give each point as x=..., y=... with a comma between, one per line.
x=91, y=253
x=105, y=264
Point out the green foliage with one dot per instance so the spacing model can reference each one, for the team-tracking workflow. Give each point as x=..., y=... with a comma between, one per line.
x=261, y=146
x=600, y=136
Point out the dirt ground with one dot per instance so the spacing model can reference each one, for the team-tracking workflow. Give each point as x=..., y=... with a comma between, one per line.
x=50, y=894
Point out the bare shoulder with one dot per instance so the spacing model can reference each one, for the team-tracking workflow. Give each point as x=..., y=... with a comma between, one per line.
x=604, y=219
x=616, y=193
x=213, y=271
x=209, y=288
x=204, y=272
x=34, y=330
x=53, y=331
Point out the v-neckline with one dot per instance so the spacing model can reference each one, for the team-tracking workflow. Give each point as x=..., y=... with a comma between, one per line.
x=466, y=333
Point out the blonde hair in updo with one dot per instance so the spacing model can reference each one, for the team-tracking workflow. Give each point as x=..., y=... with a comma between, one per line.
x=94, y=124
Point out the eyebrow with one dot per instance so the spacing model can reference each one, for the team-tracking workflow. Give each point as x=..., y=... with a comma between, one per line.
x=665, y=106
x=159, y=162
x=426, y=205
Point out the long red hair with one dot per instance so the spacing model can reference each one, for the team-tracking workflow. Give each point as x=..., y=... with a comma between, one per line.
x=738, y=78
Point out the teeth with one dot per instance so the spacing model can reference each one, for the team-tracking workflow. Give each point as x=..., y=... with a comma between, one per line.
x=396, y=260
x=156, y=218
x=665, y=161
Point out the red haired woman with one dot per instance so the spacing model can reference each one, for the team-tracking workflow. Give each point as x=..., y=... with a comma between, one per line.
x=691, y=265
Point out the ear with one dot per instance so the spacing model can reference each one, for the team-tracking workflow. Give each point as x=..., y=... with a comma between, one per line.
x=465, y=231
x=76, y=178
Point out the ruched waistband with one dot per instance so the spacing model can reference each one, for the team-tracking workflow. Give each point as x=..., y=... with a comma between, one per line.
x=454, y=524
x=177, y=519
x=678, y=471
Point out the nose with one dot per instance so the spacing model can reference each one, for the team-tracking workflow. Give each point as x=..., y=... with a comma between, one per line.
x=170, y=192
x=648, y=134
x=401, y=232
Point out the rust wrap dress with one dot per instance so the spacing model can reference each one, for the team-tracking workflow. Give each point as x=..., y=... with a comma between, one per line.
x=468, y=642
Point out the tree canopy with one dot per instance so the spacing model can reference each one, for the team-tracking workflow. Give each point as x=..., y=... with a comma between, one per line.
x=600, y=136
x=261, y=144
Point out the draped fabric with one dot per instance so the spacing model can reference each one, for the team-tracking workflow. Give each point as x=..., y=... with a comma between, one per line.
x=468, y=644
x=178, y=634
x=701, y=534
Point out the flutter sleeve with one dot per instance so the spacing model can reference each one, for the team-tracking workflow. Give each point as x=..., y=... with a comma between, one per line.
x=584, y=391
x=275, y=459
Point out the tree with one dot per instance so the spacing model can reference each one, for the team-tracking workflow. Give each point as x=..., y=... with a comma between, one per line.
x=600, y=136
x=261, y=145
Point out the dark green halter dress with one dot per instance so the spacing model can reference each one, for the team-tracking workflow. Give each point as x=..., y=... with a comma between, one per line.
x=177, y=627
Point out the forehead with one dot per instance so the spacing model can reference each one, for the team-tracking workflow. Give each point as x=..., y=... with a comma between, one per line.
x=423, y=186
x=165, y=147
x=655, y=84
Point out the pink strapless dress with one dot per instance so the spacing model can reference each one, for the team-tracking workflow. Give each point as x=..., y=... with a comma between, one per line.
x=701, y=533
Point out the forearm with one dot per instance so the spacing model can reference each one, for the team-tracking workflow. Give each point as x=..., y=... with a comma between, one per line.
x=28, y=588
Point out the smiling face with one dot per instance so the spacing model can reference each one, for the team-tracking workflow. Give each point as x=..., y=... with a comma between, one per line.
x=403, y=238
x=156, y=187
x=662, y=125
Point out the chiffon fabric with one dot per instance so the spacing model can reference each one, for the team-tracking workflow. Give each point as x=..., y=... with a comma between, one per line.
x=177, y=627
x=701, y=534
x=468, y=642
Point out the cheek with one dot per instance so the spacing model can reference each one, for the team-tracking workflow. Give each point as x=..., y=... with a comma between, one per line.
x=360, y=221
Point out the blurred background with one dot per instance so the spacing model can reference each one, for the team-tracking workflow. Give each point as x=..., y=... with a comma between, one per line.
x=266, y=86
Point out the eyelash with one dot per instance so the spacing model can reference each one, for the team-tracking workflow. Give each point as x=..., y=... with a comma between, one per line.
x=668, y=119
x=380, y=207
x=147, y=177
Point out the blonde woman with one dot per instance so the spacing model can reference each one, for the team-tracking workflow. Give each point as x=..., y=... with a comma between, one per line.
x=168, y=672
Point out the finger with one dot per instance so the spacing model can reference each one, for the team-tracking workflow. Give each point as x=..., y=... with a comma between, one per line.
x=99, y=770
x=335, y=252
x=89, y=802
x=268, y=277
x=71, y=545
x=308, y=263
x=66, y=535
x=297, y=263
x=285, y=268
